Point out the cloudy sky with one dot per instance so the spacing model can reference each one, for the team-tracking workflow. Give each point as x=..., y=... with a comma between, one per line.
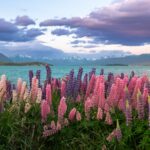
x=76, y=25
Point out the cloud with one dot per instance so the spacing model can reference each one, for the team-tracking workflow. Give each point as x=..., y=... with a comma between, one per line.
x=78, y=42
x=124, y=22
x=11, y=33
x=24, y=21
x=60, y=32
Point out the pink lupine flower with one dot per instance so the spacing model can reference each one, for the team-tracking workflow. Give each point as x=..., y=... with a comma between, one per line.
x=136, y=89
x=53, y=126
x=128, y=113
x=39, y=95
x=72, y=114
x=78, y=99
x=87, y=106
x=113, y=95
x=140, y=105
x=118, y=132
x=45, y=110
x=101, y=95
x=99, y=114
x=90, y=86
x=149, y=110
x=34, y=89
x=62, y=108
x=58, y=127
x=66, y=122
x=78, y=116
x=106, y=108
x=48, y=94
x=14, y=95
x=63, y=88
x=47, y=133
x=108, y=119
x=23, y=89
x=19, y=85
x=145, y=96
x=111, y=135
x=121, y=105
x=3, y=92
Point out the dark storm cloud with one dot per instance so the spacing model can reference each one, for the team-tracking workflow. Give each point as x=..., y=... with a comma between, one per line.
x=24, y=21
x=125, y=22
x=10, y=32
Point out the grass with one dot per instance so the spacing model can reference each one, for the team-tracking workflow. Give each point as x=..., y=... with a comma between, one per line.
x=19, y=130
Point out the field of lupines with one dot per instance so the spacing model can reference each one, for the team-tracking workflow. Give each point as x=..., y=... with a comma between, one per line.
x=76, y=112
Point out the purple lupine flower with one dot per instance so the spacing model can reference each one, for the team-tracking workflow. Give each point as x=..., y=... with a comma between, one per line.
x=85, y=83
x=122, y=75
x=44, y=90
x=78, y=82
x=70, y=84
x=30, y=77
x=108, y=83
x=8, y=90
x=38, y=76
x=48, y=74
x=14, y=87
x=91, y=73
x=102, y=72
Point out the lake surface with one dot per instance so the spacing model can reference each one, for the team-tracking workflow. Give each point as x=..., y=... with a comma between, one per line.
x=14, y=72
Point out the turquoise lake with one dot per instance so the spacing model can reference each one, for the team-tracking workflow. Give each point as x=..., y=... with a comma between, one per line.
x=14, y=72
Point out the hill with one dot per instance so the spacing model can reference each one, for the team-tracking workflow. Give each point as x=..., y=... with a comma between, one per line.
x=3, y=58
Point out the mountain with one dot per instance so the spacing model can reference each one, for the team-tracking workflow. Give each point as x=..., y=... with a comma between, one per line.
x=3, y=58
x=143, y=59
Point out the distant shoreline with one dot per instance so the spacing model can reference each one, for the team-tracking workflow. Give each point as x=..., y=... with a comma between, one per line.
x=23, y=64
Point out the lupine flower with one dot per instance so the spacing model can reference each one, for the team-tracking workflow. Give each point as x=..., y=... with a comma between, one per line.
x=99, y=114
x=63, y=88
x=58, y=126
x=47, y=133
x=62, y=108
x=23, y=89
x=45, y=110
x=66, y=122
x=53, y=126
x=90, y=86
x=149, y=110
x=102, y=72
x=38, y=76
x=85, y=83
x=34, y=89
x=19, y=85
x=69, y=88
x=118, y=132
x=128, y=113
x=108, y=119
x=87, y=106
x=27, y=107
x=78, y=99
x=111, y=136
x=78, y=116
x=78, y=82
x=39, y=96
x=72, y=114
x=30, y=77
x=140, y=105
x=49, y=94
x=48, y=74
